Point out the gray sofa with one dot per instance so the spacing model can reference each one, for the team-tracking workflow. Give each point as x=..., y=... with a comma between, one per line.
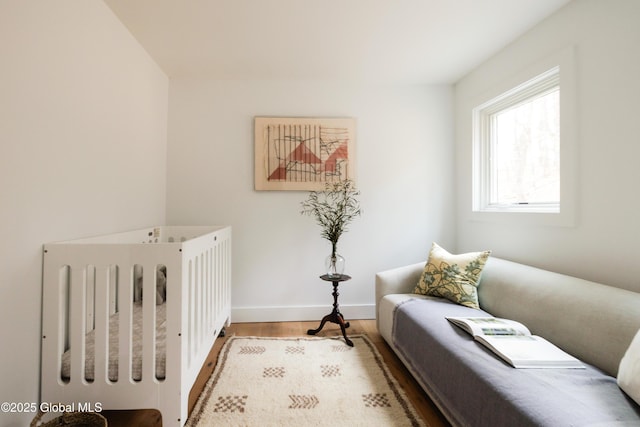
x=473, y=387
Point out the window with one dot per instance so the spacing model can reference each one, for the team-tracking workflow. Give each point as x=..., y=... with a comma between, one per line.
x=524, y=158
x=517, y=141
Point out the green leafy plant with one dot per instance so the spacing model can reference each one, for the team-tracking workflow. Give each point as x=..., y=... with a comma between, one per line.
x=333, y=209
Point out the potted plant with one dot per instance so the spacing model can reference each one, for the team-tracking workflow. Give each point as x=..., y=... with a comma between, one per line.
x=333, y=209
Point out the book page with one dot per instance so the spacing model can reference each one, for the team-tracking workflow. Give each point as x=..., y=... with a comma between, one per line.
x=524, y=351
x=489, y=326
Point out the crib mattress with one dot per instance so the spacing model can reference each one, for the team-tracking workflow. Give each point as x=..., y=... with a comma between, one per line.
x=136, y=375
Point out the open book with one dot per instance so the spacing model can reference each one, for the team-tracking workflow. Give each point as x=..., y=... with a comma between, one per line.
x=513, y=342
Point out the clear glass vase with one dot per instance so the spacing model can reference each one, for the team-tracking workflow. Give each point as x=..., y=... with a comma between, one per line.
x=334, y=265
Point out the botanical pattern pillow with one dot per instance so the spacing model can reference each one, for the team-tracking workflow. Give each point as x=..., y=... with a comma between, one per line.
x=454, y=277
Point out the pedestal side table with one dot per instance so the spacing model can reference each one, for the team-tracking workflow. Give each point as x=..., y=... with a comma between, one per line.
x=335, y=316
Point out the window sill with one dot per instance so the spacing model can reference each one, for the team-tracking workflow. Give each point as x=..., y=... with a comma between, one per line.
x=526, y=217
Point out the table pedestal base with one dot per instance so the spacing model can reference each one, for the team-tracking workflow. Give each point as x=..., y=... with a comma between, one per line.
x=335, y=316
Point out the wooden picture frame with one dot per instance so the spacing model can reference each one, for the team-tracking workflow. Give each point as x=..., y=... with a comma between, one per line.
x=298, y=153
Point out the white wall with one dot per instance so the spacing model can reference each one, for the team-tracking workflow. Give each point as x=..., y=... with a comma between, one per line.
x=602, y=244
x=83, y=117
x=405, y=153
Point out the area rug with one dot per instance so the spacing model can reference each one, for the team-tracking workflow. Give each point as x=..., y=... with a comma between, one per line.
x=301, y=382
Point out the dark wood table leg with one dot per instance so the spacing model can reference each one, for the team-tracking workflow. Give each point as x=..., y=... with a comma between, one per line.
x=334, y=317
x=343, y=326
x=325, y=319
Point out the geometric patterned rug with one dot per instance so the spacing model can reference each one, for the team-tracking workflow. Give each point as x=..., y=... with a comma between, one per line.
x=301, y=382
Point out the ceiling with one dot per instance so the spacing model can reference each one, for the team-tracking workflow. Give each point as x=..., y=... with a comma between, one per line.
x=409, y=41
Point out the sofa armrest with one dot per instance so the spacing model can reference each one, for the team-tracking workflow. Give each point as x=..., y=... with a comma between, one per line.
x=401, y=280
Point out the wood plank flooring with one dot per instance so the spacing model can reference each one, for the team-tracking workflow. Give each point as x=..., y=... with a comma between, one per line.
x=426, y=409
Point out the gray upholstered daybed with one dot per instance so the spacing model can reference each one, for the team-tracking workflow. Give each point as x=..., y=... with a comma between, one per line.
x=473, y=387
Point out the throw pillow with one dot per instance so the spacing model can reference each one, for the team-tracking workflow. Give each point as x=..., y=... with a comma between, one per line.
x=454, y=277
x=629, y=370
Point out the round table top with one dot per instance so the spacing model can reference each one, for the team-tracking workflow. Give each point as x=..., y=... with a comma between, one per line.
x=337, y=278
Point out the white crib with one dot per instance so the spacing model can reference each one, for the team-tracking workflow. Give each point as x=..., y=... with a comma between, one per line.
x=105, y=339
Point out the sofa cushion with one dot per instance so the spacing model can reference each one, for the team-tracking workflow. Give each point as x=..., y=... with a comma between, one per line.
x=454, y=277
x=629, y=372
x=474, y=387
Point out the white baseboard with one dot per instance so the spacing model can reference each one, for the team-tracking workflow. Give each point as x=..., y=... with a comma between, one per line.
x=299, y=313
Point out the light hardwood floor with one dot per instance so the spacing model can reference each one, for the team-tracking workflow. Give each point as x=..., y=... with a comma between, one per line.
x=427, y=410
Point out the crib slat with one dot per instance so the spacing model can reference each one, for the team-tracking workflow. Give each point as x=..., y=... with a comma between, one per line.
x=149, y=322
x=101, y=324
x=206, y=289
x=200, y=302
x=212, y=289
x=190, y=303
x=77, y=323
x=217, y=300
x=125, y=299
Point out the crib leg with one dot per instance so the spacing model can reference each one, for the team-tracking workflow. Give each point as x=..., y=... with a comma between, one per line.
x=222, y=332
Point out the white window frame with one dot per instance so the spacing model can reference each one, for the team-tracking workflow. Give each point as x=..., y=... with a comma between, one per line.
x=555, y=71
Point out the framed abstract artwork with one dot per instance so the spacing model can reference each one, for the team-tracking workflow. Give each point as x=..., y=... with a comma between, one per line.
x=303, y=153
